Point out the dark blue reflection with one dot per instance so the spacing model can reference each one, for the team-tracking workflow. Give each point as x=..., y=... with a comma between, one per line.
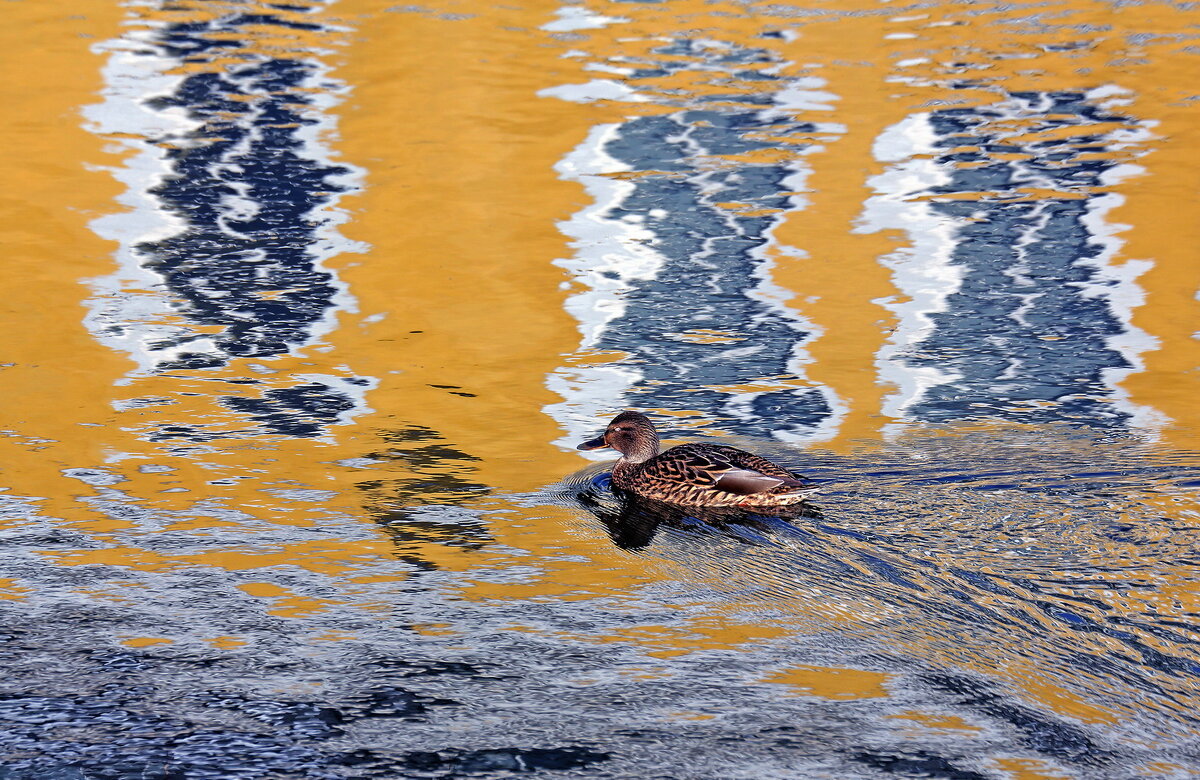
x=246, y=186
x=303, y=410
x=1026, y=334
x=710, y=252
x=247, y=259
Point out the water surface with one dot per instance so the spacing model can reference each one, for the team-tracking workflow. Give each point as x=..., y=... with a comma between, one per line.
x=310, y=302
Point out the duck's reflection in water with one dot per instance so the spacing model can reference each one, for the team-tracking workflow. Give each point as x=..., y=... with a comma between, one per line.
x=632, y=521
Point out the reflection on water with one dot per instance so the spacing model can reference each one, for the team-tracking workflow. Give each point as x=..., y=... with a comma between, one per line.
x=1032, y=327
x=292, y=501
x=1010, y=308
x=223, y=255
x=675, y=253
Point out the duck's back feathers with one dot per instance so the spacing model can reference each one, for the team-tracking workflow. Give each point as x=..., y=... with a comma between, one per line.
x=712, y=475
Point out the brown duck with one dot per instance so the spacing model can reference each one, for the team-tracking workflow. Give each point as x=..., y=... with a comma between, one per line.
x=694, y=474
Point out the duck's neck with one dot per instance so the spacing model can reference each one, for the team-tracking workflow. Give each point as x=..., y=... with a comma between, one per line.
x=646, y=449
x=630, y=462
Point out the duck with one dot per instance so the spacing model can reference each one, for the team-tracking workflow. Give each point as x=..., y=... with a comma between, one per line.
x=710, y=475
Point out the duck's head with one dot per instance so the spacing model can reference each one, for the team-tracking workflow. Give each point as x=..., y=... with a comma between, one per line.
x=631, y=434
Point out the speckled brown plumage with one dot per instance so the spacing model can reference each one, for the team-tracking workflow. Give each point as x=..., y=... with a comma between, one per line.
x=694, y=474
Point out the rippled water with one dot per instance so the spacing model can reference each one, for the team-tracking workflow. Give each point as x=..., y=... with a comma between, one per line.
x=310, y=303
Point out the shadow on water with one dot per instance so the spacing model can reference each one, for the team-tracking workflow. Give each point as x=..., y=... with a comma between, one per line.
x=632, y=521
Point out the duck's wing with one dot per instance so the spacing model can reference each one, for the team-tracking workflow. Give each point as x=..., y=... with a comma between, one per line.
x=741, y=459
x=718, y=467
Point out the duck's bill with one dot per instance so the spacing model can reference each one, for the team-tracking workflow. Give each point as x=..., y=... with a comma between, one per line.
x=593, y=444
